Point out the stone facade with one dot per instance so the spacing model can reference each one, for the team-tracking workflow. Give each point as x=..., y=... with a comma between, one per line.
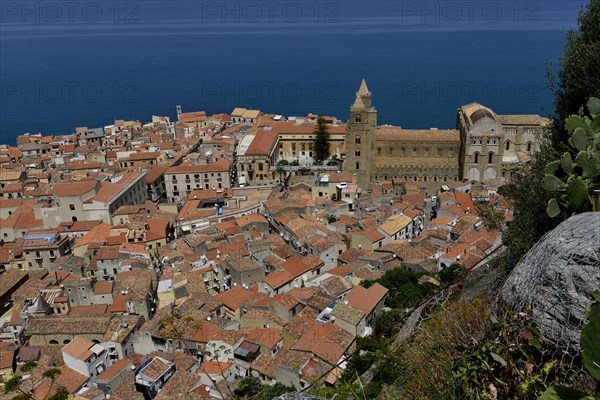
x=495, y=143
x=484, y=146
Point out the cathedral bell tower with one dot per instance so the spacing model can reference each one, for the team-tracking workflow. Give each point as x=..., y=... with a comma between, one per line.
x=359, y=136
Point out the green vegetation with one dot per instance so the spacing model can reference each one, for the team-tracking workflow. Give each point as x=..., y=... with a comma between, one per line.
x=251, y=388
x=492, y=216
x=578, y=81
x=448, y=274
x=55, y=392
x=331, y=218
x=579, y=75
x=373, y=352
x=405, y=289
x=280, y=172
x=476, y=348
x=321, y=142
x=575, y=183
x=590, y=354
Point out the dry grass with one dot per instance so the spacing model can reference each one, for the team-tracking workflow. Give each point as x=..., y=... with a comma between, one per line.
x=437, y=343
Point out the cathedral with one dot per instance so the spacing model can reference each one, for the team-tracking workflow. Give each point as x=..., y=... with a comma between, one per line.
x=483, y=147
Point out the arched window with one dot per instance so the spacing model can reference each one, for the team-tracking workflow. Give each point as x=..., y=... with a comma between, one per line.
x=357, y=153
x=438, y=152
x=529, y=146
x=379, y=151
x=450, y=153
x=414, y=152
x=53, y=342
x=424, y=179
x=358, y=118
x=357, y=165
x=293, y=146
x=426, y=152
x=303, y=146
x=391, y=151
x=490, y=157
x=402, y=151
x=507, y=145
x=476, y=158
x=357, y=140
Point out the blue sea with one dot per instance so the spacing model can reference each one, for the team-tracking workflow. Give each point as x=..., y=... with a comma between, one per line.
x=70, y=63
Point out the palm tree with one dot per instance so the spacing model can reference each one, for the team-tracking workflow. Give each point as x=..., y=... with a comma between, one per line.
x=280, y=171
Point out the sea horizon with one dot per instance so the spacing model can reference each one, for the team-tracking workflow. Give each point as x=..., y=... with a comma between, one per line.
x=136, y=60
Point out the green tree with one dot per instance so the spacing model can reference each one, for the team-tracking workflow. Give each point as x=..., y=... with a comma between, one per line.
x=55, y=392
x=404, y=287
x=529, y=199
x=492, y=216
x=251, y=388
x=448, y=274
x=321, y=142
x=579, y=75
x=578, y=80
x=280, y=172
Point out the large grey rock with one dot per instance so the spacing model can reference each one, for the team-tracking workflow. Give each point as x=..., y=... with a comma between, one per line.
x=555, y=279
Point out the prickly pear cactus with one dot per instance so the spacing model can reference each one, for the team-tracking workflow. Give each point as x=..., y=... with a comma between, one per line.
x=576, y=182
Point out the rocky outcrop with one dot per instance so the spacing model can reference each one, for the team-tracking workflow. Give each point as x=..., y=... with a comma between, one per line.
x=555, y=279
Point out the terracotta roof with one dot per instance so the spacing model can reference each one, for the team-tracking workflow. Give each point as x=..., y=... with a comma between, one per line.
x=277, y=279
x=107, y=253
x=155, y=368
x=119, y=304
x=296, y=267
x=395, y=224
x=373, y=235
x=22, y=218
x=147, y=155
x=103, y=287
x=79, y=188
x=6, y=358
x=215, y=367
x=155, y=173
x=233, y=297
x=114, y=369
x=98, y=234
x=249, y=219
x=268, y=337
x=366, y=299
x=94, y=309
x=79, y=348
x=263, y=143
x=29, y=353
x=10, y=279
x=326, y=341
x=109, y=190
